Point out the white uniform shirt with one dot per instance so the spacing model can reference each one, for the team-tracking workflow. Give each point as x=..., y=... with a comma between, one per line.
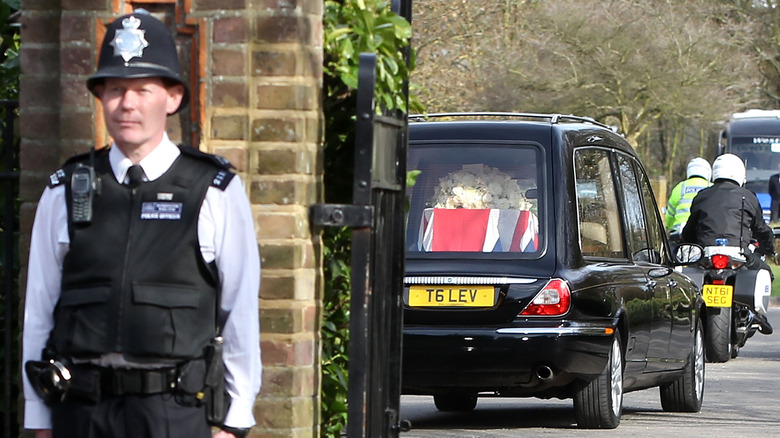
x=227, y=236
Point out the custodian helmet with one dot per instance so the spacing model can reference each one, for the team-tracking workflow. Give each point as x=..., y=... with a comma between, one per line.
x=138, y=45
x=699, y=167
x=729, y=166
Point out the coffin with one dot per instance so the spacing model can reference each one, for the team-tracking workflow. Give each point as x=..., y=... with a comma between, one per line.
x=478, y=230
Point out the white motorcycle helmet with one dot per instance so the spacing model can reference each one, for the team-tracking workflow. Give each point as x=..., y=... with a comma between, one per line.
x=699, y=167
x=729, y=166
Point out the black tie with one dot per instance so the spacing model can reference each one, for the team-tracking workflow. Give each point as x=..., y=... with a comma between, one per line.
x=135, y=176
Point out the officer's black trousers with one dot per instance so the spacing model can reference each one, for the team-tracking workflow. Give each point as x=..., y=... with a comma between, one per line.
x=145, y=416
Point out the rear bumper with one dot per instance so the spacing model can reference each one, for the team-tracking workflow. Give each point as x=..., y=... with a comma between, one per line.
x=522, y=361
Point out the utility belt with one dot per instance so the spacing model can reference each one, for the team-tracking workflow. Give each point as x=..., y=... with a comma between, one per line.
x=98, y=381
x=194, y=383
x=58, y=381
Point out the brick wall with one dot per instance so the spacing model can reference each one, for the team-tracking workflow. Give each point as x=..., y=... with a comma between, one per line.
x=259, y=66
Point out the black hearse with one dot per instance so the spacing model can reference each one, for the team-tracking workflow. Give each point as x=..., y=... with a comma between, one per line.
x=537, y=265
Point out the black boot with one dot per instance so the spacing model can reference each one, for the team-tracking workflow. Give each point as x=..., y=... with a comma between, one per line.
x=764, y=326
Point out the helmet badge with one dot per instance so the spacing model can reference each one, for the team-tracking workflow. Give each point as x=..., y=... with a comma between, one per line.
x=129, y=42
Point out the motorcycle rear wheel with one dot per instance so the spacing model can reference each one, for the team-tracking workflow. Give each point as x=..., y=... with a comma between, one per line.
x=717, y=334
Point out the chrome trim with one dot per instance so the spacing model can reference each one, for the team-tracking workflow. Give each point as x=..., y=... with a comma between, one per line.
x=554, y=118
x=468, y=280
x=560, y=331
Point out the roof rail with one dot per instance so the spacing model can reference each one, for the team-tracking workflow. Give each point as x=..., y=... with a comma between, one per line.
x=553, y=118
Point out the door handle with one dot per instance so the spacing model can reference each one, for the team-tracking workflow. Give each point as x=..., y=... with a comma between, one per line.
x=652, y=283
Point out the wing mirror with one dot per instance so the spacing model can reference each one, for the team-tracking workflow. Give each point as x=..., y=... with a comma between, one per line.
x=688, y=253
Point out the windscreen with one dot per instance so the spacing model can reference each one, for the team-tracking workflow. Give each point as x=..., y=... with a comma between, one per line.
x=475, y=198
x=760, y=154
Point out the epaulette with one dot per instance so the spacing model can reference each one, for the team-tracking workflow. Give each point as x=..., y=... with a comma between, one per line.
x=222, y=179
x=218, y=160
x=57, y=178
x=224, y=174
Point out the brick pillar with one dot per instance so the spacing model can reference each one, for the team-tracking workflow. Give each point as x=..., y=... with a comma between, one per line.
x=262, y=106
x=286, y=70
x=260, y=70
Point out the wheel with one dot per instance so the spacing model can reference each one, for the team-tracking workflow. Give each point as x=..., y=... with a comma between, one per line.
x=599, y=404
x=686, y=393
x=455, y=402
x=734, y=351
x=717, y=334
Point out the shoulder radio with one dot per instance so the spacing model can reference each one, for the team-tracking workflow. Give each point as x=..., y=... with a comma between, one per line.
x=82, y=189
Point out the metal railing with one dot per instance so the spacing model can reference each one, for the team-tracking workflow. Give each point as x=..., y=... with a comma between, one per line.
x=9, y=177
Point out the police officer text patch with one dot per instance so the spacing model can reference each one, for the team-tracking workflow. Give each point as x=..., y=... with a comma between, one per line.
x=170, y=211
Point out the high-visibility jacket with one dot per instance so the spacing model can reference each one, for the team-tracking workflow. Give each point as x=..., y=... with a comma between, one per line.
x=678, y=209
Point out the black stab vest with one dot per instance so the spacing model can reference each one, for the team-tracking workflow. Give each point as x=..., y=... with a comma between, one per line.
x=134, y=280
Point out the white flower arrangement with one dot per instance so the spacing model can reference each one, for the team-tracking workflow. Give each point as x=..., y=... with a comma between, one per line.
x=477, y=187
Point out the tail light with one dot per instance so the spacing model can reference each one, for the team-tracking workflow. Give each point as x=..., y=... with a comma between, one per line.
x=554, y=299
x=720, y=261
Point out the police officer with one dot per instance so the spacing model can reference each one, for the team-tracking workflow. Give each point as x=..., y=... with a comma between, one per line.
x=143, y=268
x=728, y=210
x=678, y=208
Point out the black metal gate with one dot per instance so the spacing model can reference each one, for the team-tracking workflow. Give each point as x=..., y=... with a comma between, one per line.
x=9, y=177
x=377, y=218
x=375, y=325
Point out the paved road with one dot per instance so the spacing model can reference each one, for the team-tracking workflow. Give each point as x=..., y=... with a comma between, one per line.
x=741, y=399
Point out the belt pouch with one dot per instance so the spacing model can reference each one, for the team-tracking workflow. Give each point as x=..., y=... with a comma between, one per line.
x=85, y=384
x=189, y=383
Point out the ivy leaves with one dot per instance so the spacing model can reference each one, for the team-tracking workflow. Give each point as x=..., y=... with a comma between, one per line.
x=352, y=27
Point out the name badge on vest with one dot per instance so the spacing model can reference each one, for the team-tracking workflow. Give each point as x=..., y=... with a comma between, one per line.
x=170, y=211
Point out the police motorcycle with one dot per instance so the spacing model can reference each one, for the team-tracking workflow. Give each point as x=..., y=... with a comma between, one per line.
x=735, y=297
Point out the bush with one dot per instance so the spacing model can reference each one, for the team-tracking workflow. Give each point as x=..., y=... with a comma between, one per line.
x=351, y=27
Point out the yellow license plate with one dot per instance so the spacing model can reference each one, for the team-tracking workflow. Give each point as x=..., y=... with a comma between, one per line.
x=451, y=296
x=717, y=295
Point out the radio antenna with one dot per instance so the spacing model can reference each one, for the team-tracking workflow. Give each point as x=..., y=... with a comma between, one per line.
x=741, y=221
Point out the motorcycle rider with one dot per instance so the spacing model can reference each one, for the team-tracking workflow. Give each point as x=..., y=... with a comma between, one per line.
x=678, y=208
x=728, y=210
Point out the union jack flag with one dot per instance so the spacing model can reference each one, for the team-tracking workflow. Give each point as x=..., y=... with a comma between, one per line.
x=478, y=230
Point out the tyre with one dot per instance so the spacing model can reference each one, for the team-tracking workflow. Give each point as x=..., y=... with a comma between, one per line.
x=455, y=402
x=599, y=404
x=717, y=334
x=686, y=393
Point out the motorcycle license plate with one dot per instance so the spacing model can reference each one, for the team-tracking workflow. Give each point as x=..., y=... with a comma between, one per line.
x=451, y=296
x=718, y=295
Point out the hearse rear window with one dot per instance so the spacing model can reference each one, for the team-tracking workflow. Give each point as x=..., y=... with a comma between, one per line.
x=477, y=198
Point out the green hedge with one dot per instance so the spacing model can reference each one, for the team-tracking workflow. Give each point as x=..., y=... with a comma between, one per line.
x=351, y=27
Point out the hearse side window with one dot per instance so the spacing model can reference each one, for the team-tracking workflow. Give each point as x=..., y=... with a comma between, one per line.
x=656, y=231
x=641, y=249
x=597, y=206
x=474, y=198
